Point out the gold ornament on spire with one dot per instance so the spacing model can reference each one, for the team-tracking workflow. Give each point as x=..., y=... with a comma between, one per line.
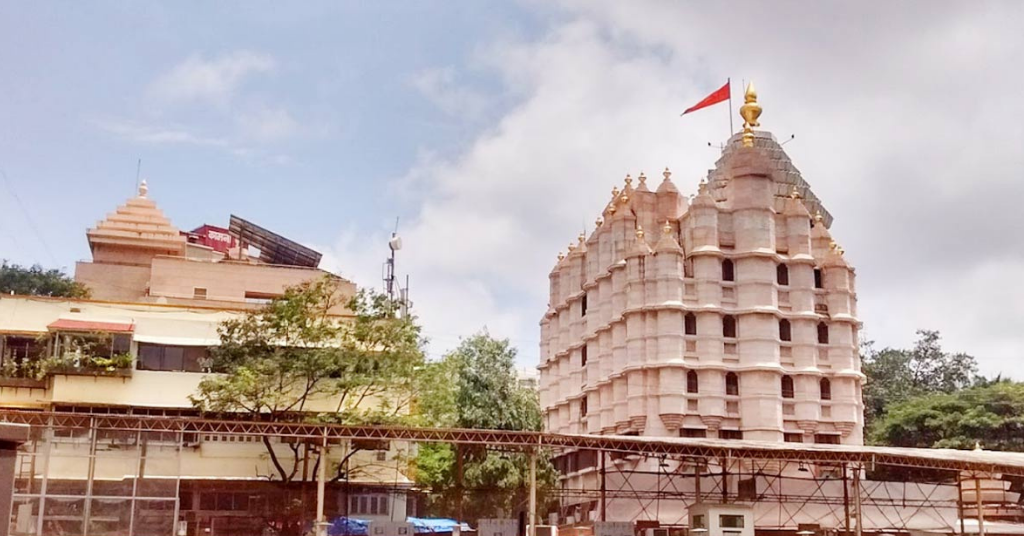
x=795, y=194
x=581, y=238
x=598, y=222
x=642, y=178
x=750, y=112
x=143, y=188
x=561, y=256
x=818, y=218
x=572, y=247
x=611, y=208
x=629, y=182
x=639, y=232
x=667, y=229
x=624, y=198
x=666, y=174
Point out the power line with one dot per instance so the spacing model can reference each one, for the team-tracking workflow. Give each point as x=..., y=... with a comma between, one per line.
x=28, y=218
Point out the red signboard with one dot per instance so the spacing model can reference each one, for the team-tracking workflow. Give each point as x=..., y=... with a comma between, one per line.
x=216, y=238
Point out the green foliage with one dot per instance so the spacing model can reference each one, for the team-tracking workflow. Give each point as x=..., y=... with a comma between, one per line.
x=991, y=414
x=896, y=375
x=294, y=355
x=475, y=386
x=36, y=281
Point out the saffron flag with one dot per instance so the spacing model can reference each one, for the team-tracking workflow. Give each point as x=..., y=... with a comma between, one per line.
x=720, y=95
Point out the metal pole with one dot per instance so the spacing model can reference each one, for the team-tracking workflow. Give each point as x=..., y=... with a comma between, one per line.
x=604, y=488
x=981, y=513
x=856, y=501
x=48, y=449
x=696, y=479
x=729, y=83
x=532, y=521
x=846, y=502
x=960, y=502
x=458, y=482
x=321, y=483
x=91, y=475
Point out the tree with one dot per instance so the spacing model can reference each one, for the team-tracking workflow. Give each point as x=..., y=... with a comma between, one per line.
x=295, y=359
x=475, y=386
x=992, y=415
x=896, y=375
x=37, y=281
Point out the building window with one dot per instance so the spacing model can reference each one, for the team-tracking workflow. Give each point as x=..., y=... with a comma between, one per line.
x=583, y=355
x=787, y=387
x=818, y=278
x=730, y=434
x=785, y=332
x=793, y=437
x=368, y=505
x=692, y=382
x=690, y=324
x=171, y=358
x=827, y=439
x=199, y=293
x=782, y=274
x=729, y=326
x=822, y=333
x=825, y=387
x=583, y=306
x=583, y=406
x=728, y=271
x=732, y=384
x=693, y=432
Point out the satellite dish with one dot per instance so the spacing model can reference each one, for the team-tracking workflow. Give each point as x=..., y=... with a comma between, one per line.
x=395, y=243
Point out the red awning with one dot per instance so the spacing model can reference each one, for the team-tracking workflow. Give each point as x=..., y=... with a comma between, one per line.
x=86, y=325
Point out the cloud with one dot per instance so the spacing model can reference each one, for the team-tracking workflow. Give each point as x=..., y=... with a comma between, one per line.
x=920, y=170
x=267, y=125
x=211, y=80
x=157, y=135
x=441, y=87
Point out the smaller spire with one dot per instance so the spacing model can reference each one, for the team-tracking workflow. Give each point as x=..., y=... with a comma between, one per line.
x=599, y=222
x=611, y=208
x=667, y=228
x=561, y=256
x=818, y=218
x=667, y=174
x=629, y=182
x=143, y=189
x=639, y=232
x=615, y=192
x=795, y=194
x=581, y=238
x=977, y=446
x=572, y=247
x=624, y=198
x=642, y=178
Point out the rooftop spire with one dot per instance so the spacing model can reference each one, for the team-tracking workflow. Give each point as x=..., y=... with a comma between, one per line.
x=750, y=111
x=143, y=188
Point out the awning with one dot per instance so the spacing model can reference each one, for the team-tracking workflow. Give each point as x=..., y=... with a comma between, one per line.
x=65, y=324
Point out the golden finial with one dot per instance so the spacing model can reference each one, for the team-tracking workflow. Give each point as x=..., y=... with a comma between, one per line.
x=143, y=188
x=750, y=112
x=703, y=186
x=642, y=178
x=572, y=247
x=598, y=222
x=666, y=174
x=667, y=229
x=833, y=246
x=615, y=192
x=561, y=256
x=611, y=207
x=624, y=198
x=795, y=194
x=581, y=238
x=629, y=180
x=818, y=218
x=639, y=232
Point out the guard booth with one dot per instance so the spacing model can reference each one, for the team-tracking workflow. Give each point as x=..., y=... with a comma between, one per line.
x=709, y=519
x=11, y=437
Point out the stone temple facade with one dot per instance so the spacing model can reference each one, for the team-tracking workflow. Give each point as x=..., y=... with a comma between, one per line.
x=731, y=314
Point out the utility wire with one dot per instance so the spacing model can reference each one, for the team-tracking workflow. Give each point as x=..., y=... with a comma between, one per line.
x=28, y=218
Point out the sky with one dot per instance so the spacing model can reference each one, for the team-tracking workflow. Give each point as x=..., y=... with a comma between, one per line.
x=494, y=131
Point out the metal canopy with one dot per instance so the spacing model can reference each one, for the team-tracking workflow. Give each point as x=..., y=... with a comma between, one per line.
x=1008, y=463
x=274, y=248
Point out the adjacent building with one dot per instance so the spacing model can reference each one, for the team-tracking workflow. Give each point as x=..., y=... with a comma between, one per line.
x=139, y=346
